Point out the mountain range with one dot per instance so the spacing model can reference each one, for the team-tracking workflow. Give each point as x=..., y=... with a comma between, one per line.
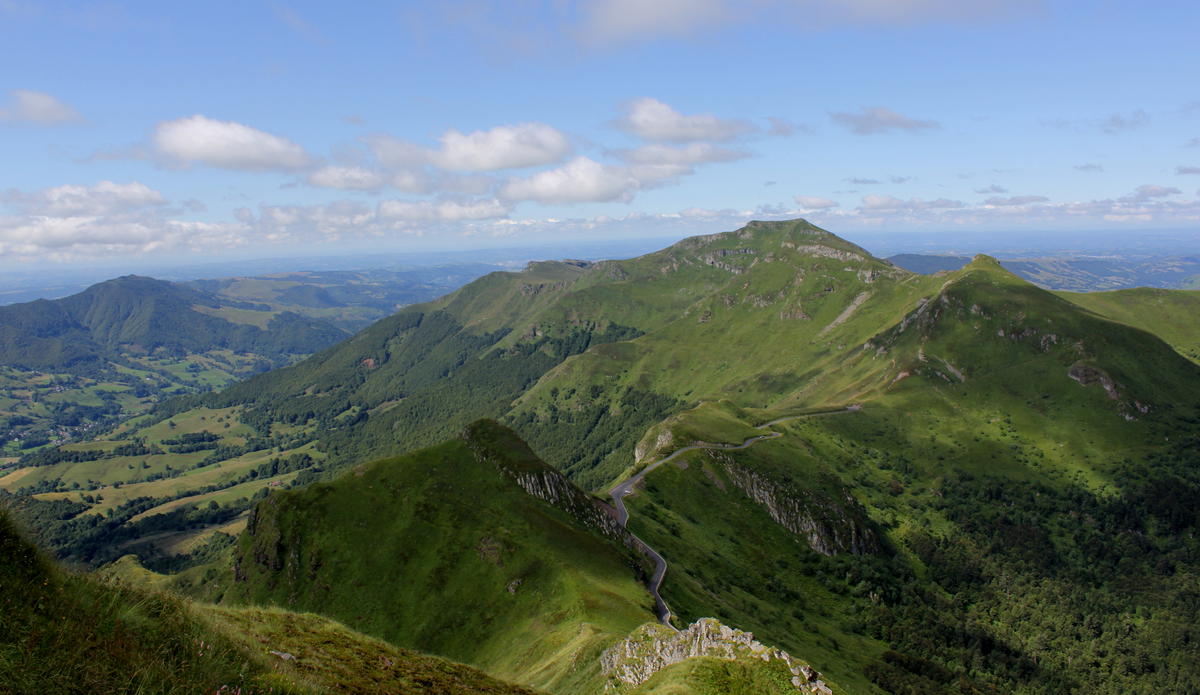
x=1112, y=271
x=906, y=483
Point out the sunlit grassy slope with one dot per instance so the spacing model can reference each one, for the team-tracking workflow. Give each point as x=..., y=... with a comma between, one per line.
x=441, y=550
x=63, y=633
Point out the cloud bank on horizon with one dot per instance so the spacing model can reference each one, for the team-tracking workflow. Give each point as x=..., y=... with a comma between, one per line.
x=466, y=121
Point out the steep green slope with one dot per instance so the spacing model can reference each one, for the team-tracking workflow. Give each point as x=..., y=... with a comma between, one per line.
x=1022, y=468
x=473, y=549
x=595, y=353
x=62, y=633
x=1169, y=314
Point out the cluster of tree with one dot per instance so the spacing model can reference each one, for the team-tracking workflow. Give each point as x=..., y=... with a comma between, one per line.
x=1049, y=589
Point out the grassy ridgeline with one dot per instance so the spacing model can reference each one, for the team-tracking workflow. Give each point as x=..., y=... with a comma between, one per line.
x=63, y=633
x=441, y=550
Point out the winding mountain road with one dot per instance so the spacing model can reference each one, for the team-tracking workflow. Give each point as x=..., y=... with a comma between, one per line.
x=626, y=488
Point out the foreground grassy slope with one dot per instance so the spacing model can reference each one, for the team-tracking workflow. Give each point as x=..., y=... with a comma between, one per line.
x=62, y=633
x=441, y=550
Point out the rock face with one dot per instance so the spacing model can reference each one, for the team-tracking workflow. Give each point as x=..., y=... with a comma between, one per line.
x=552, y=487
x=830, y=526
x=651, y=648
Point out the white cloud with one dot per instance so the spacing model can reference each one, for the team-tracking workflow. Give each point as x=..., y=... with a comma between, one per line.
x=446, y=210
x=694, y=153
x=1089, y=167
x=651, y=119
x=1185, y=171
x=656, y=162
x=394, y=152
x=226, y=144
x=81, y=222
x=347, y=178
x=104, y=198
x=25, y=106
x=812, y=202
x=877, y=119
x=502, y=147
x=992, y=189
x=582, y=180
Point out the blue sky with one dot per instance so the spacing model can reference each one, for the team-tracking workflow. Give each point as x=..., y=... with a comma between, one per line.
x=135, y=131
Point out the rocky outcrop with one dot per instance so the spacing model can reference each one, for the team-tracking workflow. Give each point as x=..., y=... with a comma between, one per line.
x=830, y=526
x=552, y=487
x=664, y=441
x=714, y=259
x=1087, y=375
x=651, y=648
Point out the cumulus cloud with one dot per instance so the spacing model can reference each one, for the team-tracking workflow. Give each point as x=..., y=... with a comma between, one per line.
x=656, y=162
x=1016, y=200
x=694, y=153
x=991, y=189
x=582, y=180
x=347, y=178
x=1148, y=192
x=348, y=220
x=812, y=202
x=104, y=198
x=81, y=222
x=394, y=152
x=446, y=210
x=226, y=145
x=502, y=147
x=25, y=106
x=651, y=119
x=877, y=119
x=1185, y=171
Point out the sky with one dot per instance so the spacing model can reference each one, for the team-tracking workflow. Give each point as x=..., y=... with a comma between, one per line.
x=132, y=132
